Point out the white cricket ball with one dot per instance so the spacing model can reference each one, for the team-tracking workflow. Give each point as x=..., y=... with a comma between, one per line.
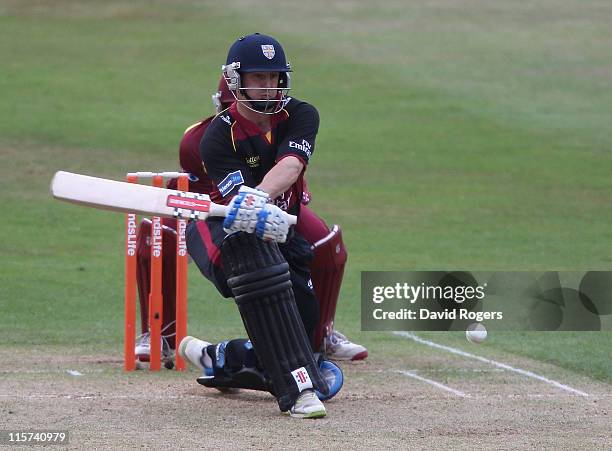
x=476, y=333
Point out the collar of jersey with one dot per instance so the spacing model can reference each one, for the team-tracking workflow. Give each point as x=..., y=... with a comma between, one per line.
x=250, y=128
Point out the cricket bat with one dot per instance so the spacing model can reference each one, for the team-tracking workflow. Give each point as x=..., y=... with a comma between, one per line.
x=126, y=197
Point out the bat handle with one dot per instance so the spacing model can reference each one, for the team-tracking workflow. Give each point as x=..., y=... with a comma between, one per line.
x=292, y=219
x=222, y=210
x=218, y=210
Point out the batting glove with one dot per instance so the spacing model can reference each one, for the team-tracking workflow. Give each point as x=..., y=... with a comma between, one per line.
x=251, y=213
x=272, y=224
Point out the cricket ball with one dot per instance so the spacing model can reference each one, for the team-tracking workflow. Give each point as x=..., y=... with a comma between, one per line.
x=476, y=333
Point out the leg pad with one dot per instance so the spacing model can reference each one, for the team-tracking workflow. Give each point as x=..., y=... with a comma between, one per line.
x=259, y=278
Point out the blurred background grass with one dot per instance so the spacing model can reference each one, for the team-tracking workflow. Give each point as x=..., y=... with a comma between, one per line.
x=454, y=135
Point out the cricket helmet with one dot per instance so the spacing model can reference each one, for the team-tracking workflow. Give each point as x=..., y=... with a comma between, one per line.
x=258, y=53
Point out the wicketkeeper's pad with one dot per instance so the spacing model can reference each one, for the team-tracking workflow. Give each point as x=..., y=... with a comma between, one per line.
x=327, y=270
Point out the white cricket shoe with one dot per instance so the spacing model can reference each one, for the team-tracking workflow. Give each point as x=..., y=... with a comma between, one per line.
x=143, y=349
x=337, y=347
x=307, y=405
x=191, y=349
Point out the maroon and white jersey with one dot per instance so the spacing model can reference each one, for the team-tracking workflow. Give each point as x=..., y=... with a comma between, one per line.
x=235, y=152
x=191, y=161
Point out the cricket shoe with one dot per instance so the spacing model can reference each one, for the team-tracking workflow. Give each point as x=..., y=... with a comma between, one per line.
x=337, y=347
x=143, y=350
x=307, y=405
x=194, y=351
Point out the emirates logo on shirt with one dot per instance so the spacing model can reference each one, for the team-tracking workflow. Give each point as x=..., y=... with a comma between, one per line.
x=305, y=147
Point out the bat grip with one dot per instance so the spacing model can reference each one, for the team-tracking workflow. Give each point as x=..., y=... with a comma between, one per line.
x=291, y=219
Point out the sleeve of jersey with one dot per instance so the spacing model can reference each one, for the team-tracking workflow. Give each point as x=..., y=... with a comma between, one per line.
x=302, y=130
x=227, y=171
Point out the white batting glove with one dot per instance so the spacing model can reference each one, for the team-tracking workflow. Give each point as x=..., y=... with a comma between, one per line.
x=272, y=224
x=244, y=208
x=251, y=213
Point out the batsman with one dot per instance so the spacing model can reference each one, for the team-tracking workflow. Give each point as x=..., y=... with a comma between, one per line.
x=256, y=152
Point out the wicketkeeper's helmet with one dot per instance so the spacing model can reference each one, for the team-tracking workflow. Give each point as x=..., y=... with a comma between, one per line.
x=223, y=98
x=258, y=53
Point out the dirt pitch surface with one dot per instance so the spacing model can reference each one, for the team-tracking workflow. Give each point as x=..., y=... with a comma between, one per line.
x=440, y=401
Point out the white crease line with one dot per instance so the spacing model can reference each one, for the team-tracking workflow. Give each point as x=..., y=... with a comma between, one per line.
x=12, y=397
x=83, y=372
x=457, y=370
x=100, y=396
x=434, y=383
x=491, y=362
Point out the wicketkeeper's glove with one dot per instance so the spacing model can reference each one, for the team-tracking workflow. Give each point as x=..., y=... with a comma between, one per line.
x=250, y=212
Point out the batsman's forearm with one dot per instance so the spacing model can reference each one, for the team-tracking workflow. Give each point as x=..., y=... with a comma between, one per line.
x=280, y=178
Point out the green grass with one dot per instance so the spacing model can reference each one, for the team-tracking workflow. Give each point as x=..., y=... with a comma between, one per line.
x=463, y=135
x=582, y=352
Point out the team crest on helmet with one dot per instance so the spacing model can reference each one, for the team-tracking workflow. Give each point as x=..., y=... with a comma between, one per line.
x=268, y=51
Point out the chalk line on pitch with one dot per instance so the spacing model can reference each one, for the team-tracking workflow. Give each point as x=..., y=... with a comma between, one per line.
x=54, y=371
x=6, y=397
x=434, y=383
x=94, y=396
x=505, y=366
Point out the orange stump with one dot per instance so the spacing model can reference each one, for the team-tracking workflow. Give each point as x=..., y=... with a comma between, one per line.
x=181, y=277
x=130, y=288
x=156, y=302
